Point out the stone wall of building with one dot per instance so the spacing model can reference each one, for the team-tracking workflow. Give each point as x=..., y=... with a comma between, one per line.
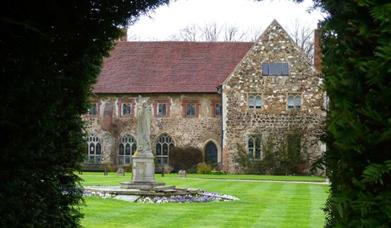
x=240, y=121
x=109, y=125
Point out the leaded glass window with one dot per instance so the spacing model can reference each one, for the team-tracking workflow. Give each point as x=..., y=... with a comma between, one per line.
x=126, y=149
x=94, y=153
x=255, y=101
x=254, y=145
x=164, y=145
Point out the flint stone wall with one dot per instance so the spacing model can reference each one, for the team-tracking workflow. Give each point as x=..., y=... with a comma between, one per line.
x=110, y=126
x=274, y=45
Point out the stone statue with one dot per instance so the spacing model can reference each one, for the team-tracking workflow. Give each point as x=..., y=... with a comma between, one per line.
x=144, y=117
x=143, y=167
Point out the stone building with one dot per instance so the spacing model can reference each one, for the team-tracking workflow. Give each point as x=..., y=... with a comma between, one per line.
x=216, y=96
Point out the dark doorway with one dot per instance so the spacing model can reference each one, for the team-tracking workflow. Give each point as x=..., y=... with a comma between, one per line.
x=211, y=153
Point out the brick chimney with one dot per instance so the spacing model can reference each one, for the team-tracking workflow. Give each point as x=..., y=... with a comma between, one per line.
x=317, y=50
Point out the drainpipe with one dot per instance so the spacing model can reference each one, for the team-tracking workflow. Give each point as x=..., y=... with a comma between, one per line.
x=220, y=91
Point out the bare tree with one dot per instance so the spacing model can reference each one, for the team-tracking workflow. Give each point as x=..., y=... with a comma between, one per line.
x=232, y=33
x=189, y=33
x=302, y=35
x=215, y=32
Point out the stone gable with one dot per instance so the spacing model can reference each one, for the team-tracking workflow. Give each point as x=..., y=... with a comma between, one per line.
x=273, y=46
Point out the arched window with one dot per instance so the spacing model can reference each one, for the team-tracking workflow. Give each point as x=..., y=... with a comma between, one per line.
x=294, y=102
x=94, y=150
x=255, y=101
x=254, y=145
x=258, y=102
x=126, y=149
x=163, y=146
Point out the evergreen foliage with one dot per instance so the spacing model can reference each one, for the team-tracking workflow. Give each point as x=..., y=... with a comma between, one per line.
x=357, y=67
x=50, y=54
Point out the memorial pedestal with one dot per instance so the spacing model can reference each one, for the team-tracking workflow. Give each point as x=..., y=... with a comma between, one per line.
x=143, y=172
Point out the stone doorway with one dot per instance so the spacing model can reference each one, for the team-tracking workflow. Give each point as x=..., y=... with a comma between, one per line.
x=211, y=153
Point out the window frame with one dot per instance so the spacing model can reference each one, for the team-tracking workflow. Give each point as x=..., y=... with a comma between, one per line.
x=283, y=66
x=254, y=105
x=156, y=104
x=214, y=104
x=256, y=146
x=130, y=102
x=125, y=141
x=161, y=141
x=92, y=103
x=186, y=103
x=93, y=141
x=293, y=98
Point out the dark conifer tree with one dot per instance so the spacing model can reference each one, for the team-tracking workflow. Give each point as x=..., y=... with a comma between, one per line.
x=50, y=54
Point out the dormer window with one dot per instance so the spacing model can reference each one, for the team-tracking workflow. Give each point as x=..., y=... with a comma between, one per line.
x=275, y=69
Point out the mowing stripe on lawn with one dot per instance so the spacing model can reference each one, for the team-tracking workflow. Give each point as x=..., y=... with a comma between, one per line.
x=248, y=212
x=317, y=203
x=297, y=210
x=275, y=209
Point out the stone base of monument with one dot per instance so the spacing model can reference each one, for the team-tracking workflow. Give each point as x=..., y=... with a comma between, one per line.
x=143, y=172
x=143, y=185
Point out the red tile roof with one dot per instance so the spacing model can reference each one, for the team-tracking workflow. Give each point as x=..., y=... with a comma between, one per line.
x=169, y=67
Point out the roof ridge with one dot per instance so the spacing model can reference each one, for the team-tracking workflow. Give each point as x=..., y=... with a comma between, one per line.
x=189, y=42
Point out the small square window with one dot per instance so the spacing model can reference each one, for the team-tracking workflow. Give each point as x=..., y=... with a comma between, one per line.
x=92, y=110
x=161, y=110
x=126, y=109
x=190, y=110
x=218, y=109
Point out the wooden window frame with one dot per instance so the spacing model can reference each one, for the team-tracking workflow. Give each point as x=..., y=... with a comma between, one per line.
x=186, y=102
x=214, y=103
x=97, y=105
x=122, y=101
x=156, y=104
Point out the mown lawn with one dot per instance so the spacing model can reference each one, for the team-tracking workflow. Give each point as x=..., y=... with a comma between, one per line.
x=261, y=204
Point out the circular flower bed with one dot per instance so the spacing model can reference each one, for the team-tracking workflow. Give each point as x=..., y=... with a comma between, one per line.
x=200, y=197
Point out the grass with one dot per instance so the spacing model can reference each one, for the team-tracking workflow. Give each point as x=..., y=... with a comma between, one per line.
x=261, y=204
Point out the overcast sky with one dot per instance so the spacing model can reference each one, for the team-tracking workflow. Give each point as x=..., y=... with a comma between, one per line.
x=248, y=15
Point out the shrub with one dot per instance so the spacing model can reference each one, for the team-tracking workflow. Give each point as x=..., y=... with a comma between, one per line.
x=185, y=158
x=203, y=168
x=280, y=156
